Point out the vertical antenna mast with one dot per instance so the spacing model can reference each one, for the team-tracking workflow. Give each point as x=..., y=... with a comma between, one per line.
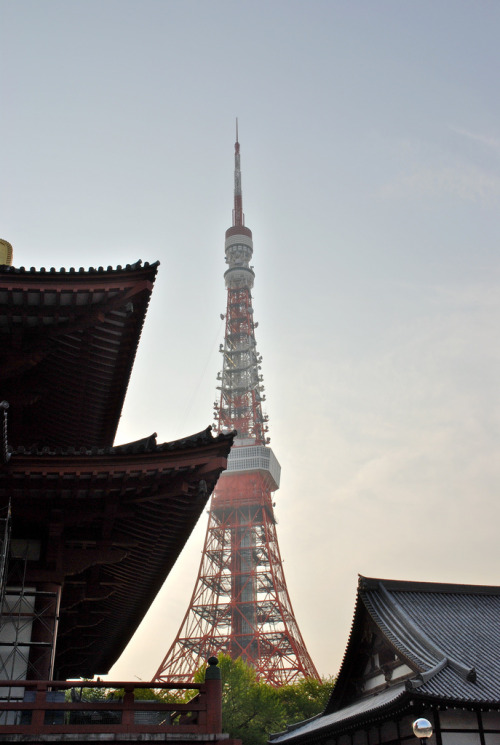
x=238, y=216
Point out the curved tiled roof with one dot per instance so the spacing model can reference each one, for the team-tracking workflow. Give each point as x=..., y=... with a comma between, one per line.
x=408, y=636
x=448, y=634
x=465, y=622
x=68, y=340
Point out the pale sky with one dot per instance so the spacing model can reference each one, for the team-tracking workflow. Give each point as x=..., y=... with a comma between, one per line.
x=370, y=153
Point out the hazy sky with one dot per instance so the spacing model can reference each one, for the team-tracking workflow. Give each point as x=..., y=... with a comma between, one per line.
x=370, y=141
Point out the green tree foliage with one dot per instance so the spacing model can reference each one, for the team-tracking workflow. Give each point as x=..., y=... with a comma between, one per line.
x=87, y=694
x=252, y=709
x=173, y=695
x=305, y=698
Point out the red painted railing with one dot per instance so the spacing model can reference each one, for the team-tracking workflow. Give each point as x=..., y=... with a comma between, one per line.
x=38, y=707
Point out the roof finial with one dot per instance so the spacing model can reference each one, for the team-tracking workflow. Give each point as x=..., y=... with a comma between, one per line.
x=236, y=129
x=6, y=249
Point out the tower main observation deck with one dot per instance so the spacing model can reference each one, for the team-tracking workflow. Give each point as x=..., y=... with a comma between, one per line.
x=240, y=604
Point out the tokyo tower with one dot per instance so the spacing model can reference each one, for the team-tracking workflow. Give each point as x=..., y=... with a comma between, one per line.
x=240, y=604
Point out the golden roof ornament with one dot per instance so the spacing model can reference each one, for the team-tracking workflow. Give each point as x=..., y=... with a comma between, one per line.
x=5, y=252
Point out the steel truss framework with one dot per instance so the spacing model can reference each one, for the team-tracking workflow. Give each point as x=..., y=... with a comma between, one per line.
x=241, y=381
x=240, y=604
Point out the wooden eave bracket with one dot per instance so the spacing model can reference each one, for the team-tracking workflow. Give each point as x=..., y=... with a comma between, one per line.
x=17, y=361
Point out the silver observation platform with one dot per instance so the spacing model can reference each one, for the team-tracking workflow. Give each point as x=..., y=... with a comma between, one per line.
x=255, y=458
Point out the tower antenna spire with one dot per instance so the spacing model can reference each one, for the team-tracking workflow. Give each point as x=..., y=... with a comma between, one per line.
x=238, y=216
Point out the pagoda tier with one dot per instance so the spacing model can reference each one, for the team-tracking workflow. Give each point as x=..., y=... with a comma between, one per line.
x=67, y=345
x=105, y=526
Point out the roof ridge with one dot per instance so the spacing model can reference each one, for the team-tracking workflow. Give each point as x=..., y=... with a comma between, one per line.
x=399, y=632
x=465, y=671
x=423, y=677
x=131, y=267
x=137, y=447
x=401, y=585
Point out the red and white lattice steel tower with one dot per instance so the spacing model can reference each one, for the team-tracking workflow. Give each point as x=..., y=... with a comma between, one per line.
x=240, y=604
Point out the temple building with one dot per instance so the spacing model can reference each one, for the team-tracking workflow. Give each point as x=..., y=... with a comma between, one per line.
x=416, y=650
x=89, y=530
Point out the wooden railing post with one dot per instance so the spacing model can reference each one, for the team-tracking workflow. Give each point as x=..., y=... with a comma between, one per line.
x=213, y=685
x=38, y=711
x=128, y=706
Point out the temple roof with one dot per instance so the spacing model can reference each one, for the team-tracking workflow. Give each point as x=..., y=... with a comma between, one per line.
x=115, y=520
x=444, y=640
x=67, y=345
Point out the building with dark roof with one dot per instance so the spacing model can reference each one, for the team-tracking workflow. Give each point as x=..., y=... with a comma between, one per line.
x=89, y=530
x=416, y=649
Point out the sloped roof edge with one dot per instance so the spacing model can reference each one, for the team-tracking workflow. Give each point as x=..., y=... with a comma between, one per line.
x=144, y=445
x=368, y=708
x=395, y=585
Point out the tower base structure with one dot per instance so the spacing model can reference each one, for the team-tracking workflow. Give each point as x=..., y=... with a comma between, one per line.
x=240, y=605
